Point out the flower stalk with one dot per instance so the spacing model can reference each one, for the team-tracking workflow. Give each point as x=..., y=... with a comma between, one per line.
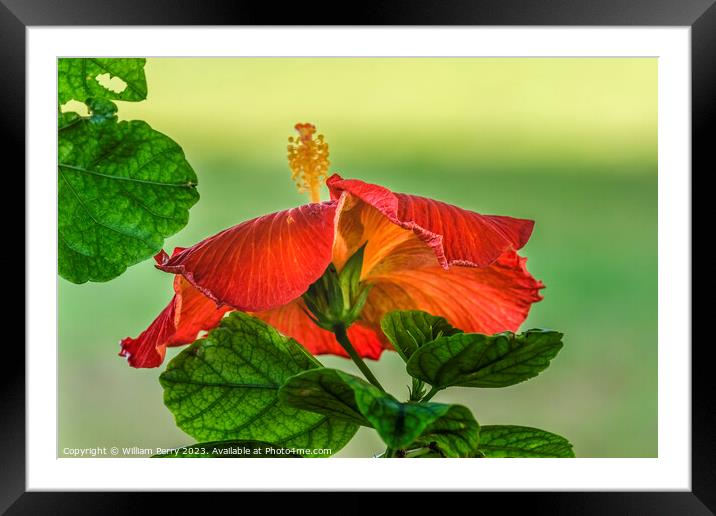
x=430, y=394
x=342, y=337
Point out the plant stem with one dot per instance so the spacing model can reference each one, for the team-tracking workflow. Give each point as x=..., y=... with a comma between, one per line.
x=430, y=394
x=342, y=337
x=389, y=453
x=422, y=452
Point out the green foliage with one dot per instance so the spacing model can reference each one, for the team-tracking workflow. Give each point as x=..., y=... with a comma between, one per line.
x=77, y=79
x=327, y=391
x=521, y=441
x=477, y=360
x=122, y=186
x=230, y=450
x=452, y=427
x=247, y=383
x=408, y=330
x=225, y=387
x=340, y=395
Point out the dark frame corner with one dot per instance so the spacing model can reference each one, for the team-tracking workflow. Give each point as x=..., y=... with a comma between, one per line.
x=700, y=15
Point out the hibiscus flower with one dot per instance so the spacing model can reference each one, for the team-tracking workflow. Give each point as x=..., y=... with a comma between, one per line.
x=417, y=253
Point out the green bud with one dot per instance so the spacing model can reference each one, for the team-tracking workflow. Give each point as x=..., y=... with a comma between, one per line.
x=338, y=298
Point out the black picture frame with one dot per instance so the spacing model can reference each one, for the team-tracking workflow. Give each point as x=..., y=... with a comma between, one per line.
x=700, y=15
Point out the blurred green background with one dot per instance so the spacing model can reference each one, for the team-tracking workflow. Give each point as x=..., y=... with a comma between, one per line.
x=570, y=143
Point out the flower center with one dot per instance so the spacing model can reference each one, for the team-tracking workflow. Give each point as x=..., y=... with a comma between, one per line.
x=308, y=159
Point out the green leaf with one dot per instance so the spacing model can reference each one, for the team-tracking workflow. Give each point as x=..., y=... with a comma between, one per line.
x=456, y=433
x=408, y=330
x=65, y=120
x=77, y=79
x=337, y=394
x=230, y=450
x=123, y=188
x=476, y=360
x=521, y=441
x=225, y=387
x=452, y=427
x=327, y=391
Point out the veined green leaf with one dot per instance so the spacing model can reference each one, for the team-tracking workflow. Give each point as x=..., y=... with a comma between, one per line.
x=476, y=360
x=521, y=441
x=452, y=427
x=122, y=189
x=104, y=78
x=408, y=330
x=225, y=387
x=341, y=395
x=327, y=391
x=455, y=433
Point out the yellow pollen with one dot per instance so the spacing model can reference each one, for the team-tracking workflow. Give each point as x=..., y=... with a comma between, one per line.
x=308, y=159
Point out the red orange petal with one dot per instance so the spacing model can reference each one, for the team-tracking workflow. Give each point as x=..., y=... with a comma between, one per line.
x=387, y=246
x=483, y=300
x=457, y=236
x=261, y=263
x=188, y=313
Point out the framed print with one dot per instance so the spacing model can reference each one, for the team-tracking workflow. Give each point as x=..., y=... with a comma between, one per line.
x=458, y=234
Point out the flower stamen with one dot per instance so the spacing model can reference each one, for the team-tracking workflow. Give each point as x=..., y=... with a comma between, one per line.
x=308, y=159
